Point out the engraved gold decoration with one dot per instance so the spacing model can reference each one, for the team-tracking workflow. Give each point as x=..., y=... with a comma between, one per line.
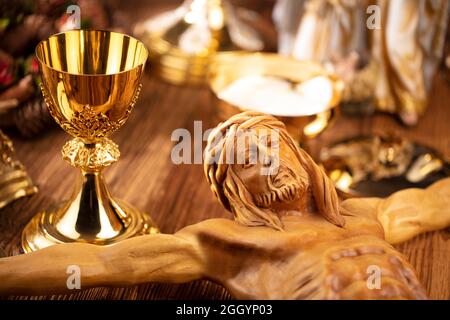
x=90, y=83
x=101, y=154
x=87, y=122
x=14, y=180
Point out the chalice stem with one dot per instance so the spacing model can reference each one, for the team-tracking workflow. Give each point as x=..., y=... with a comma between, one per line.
x=91, y=213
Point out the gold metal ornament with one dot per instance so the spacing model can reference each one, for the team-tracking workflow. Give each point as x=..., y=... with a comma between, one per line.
x=90, y=82
x=381, y=165
x=183, y=41
x=14, y=180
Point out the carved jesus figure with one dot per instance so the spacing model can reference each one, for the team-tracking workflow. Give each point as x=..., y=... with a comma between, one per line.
x=291, y=237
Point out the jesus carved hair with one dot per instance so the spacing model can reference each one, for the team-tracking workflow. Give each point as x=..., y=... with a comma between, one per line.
x=256, y=199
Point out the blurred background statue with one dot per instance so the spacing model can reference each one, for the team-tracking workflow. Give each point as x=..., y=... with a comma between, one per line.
x=386, y=51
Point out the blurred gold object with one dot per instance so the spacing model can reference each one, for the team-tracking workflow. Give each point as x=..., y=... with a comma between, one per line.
x=90, y=82
x=183, y=41
x=380, y=166
x=229, y=67
x=14, y=180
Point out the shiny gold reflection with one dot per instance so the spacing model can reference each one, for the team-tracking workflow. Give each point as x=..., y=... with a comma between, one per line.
x=81, y=52
x=91, y=80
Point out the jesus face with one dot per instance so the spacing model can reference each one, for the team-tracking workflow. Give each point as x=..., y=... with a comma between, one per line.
x=284, y=189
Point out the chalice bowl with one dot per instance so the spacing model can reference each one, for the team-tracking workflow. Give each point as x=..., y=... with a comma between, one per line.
x=90, y=82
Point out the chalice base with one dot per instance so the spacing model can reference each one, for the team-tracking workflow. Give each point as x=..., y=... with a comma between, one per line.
x=91, y=215
x=42, y=230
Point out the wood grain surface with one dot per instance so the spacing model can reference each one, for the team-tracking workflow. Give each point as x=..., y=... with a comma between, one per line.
x=178, y=195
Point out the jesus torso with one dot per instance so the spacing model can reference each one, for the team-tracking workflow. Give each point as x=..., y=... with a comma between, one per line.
x=311, y=259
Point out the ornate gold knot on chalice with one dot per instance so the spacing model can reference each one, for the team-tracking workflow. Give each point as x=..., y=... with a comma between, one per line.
x=90, y=157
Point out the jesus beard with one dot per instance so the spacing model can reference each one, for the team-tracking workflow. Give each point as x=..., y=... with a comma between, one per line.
x=284, y=188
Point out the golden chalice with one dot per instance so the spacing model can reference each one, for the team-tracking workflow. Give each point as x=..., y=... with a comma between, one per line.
x=90, y=82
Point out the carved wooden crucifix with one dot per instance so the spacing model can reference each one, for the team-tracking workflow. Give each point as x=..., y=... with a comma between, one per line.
x=291, y=237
